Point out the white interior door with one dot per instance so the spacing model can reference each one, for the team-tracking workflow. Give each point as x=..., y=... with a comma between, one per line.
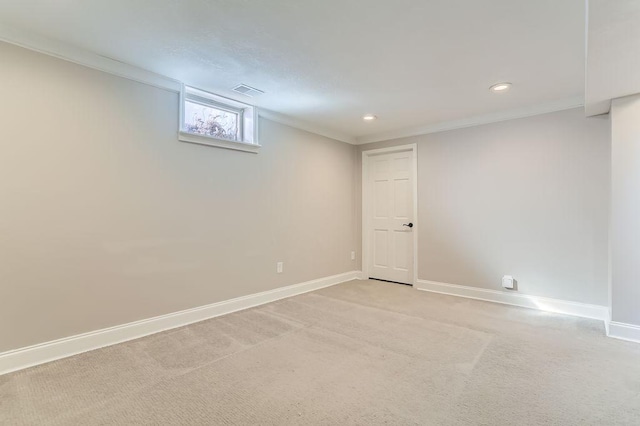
x=390, y=220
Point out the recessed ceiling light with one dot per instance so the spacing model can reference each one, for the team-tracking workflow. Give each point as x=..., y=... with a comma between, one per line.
x=369, y=117
x=500, y=87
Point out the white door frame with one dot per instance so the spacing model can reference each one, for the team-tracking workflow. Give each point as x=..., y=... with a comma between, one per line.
x=366, y=198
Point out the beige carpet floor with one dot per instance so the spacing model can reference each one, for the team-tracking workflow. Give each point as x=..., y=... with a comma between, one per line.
x=362, y=352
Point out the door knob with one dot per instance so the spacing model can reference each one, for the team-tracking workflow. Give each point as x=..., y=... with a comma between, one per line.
x=410, y=225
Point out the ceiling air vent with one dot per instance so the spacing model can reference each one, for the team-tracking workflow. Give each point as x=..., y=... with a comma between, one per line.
x=247, y=90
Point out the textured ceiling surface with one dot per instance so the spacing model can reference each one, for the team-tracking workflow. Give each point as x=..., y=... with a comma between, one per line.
x=329, y=62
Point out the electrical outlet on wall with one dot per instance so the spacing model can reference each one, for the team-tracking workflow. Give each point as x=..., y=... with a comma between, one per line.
x=279, y=267
x=353, y=255
x=507, y=282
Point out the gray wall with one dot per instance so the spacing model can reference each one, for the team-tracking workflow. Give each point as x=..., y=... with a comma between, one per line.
x=105, y=218
x=625, y=210
x=526, y=197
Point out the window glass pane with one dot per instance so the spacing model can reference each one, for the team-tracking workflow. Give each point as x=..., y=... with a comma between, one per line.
x=210, y=121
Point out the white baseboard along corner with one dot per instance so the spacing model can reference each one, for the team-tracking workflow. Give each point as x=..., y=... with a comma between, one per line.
x=534, y=302
x=30, y=356
x=622, y=331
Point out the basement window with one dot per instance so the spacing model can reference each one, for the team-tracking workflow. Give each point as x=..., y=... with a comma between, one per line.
x=209, y=119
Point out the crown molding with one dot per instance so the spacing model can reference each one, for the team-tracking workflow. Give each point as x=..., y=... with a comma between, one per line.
x=287, y=120
x=593, y=108
x=80, y=56
x=90, y=59
x=86, y=58
x=544, y=108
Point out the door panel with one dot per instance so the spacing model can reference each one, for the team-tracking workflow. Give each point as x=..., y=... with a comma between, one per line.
x=403, y=242
x=381, y=197
x=402, y=164
x=380, y=248
x=402, y=193
x=390, y=185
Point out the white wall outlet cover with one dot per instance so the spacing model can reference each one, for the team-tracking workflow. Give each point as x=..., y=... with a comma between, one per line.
x=353, y=255
x=507, y=281
x=279, y=267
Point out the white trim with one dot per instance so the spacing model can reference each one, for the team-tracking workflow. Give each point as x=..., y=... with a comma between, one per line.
x=86, y=58
x=90, y=59
x=365, y=203
x=45, y=352
x=593, y=107
x=306, y=126
x=508, y=298
x=622, y=331
x=416, y=221
x=247, y=114
x=478, y=120
x=220, y=143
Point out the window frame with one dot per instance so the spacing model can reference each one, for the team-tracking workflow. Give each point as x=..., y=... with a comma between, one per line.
x=247, y=121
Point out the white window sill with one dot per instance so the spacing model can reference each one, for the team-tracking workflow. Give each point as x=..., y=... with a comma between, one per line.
x=220, y=143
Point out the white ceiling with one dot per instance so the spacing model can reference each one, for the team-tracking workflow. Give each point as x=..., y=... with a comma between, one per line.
x=613, y=53
x=412, y=63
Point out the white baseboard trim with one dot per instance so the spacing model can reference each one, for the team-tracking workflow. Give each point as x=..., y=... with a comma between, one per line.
x=622, y=331
x=534, y=302
x=19, y=359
